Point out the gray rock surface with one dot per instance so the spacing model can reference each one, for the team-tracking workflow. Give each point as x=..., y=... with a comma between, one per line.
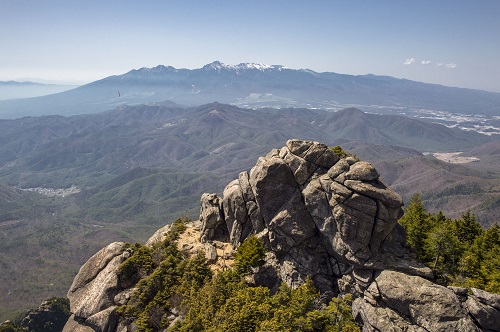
x=377, y=318
x=490, y=299
x=74, y=326
x=321, y=216
x=211, y=216
x=158, y=236
x=362, y=171
x=423, y=303
x=104, y=320
x=94, y=288
x=487, y=317
x=236, y=213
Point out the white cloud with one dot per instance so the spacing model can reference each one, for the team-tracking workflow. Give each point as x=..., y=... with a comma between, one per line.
x=409, y=61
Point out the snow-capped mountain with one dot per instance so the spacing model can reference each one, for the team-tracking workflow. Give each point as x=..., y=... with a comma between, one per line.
x=218, y=66
x=257, y=85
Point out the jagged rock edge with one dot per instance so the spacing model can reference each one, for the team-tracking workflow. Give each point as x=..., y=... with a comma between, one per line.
x=349, y=274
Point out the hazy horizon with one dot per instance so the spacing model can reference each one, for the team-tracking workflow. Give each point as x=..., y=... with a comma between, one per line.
x=447, y=42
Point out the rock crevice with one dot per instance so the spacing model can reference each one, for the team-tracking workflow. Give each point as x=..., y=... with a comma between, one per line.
x=319, y=215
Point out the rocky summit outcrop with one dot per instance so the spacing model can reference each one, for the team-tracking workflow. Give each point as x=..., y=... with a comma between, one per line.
x=51, y=315
x=319, y=214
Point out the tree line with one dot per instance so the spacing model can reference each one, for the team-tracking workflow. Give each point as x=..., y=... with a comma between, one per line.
x=460, y=251
x=169, y=283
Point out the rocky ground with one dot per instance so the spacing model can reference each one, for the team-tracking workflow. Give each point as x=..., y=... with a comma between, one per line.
x=320, y=215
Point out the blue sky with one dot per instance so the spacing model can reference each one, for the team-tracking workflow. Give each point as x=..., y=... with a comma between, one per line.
x=455, y=43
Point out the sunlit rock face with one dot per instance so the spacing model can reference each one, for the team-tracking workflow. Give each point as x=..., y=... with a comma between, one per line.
x=320, y=215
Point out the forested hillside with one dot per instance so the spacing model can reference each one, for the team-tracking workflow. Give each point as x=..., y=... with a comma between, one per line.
x=459, y=251
x=120, y=174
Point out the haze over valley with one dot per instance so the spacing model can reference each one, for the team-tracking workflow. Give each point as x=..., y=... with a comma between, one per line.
x=253, y=85
x=132, y=112
x=123, y=172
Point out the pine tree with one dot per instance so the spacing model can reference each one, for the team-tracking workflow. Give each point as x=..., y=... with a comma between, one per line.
x=443, y=246
x=417, y=224
x=480, y=264
x=467, y=228
x=249, y=254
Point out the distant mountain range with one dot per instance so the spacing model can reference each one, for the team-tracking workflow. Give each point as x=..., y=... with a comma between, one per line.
x=140, y=148
x=256, y=85
x=18, y=90
x=128, y=160
x=137, y=167
x=213, y=141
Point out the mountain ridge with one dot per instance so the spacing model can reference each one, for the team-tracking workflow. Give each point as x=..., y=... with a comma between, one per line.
x=236, y=84
x=216, y=140
x=28, y=89
x=322, y=217
x=136, y=164
x=172, y=136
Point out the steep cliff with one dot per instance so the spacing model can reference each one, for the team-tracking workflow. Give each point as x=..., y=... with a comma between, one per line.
x=319, y=214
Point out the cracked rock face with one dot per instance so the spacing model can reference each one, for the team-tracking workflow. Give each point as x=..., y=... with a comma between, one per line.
x=419, y=303
x=334, y=220
x=318, y=215
x=94, y=288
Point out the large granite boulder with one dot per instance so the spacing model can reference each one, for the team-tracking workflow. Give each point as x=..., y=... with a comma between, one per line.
x=51, y=315
x=319, y=215
x=212, y=217
x=95, y=287
x=334, y=220
x=485, y=308
x=410, y=302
